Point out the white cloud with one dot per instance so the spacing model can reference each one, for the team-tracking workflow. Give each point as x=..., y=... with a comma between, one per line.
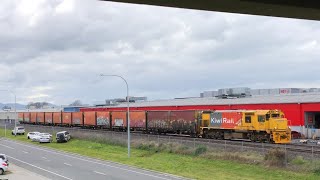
x=66, y=6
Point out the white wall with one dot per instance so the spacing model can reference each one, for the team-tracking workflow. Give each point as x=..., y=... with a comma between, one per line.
x=8, y=115
x=307, y=132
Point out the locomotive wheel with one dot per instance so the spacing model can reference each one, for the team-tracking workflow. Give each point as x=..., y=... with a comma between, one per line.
x=253, y=138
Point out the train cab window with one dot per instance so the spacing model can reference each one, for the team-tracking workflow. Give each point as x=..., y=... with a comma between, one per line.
x=248, y=119
x=275, y=115
x=267, y=117
x=261, y=118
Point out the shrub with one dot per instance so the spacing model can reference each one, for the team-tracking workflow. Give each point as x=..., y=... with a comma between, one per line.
x=147, y=146
x=317, y=171
x=298, y=160
x=276, y=157
x=200, y=150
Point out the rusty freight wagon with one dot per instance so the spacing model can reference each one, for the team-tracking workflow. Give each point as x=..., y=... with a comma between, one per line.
x=178, y=122
x=48, y=118
x=33, y=117
x=77, y=118
x=40, y=118
x=57, y=118
x=184, y=122
x=20, y=117
x=26, y=117
x=89, y=119
x=158, y=121
x=119, y=120
x=103, y=119
x=138, y=120
x=66, y=119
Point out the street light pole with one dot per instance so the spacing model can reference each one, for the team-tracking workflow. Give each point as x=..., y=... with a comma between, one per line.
x=15, y=109
x=128, y=111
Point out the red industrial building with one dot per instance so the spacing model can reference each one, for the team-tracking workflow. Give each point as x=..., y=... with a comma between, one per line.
x=302, y=110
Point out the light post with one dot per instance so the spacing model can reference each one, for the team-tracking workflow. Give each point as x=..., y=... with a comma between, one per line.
x=128, y=127
x=15, y=109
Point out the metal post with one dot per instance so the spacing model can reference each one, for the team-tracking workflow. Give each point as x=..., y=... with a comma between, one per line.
x=312, y=152
x=242, y=146
x=5, y=130
x=225, y=144
x=286, y=158
x=128, y=111
x=15, y=113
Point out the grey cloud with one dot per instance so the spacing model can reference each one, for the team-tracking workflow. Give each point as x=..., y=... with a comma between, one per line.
x=163, y=52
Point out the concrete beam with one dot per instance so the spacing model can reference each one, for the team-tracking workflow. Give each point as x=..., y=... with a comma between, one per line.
x=300, y=9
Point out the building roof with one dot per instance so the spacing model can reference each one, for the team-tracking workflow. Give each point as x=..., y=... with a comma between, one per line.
x=39, y=110
x=277, y=99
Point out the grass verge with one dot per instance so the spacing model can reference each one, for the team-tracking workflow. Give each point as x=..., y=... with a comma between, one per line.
x=191, y=166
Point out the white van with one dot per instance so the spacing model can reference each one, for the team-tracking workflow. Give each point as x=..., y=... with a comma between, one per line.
x=18, y=130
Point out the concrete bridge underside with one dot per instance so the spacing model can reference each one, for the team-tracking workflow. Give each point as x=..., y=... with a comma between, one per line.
x=300, y=9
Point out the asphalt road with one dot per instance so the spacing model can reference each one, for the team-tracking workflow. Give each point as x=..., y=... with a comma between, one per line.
x=58, y=165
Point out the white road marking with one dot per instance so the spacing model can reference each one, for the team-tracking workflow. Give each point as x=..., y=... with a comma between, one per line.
x=6, y=146
x=25, y=152
x=82, y=159
x=45, y=159
x=40, y=168
x=67, y=164
x=100, y=173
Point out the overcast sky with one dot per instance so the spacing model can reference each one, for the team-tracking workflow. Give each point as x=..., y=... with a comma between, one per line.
x=54, y=50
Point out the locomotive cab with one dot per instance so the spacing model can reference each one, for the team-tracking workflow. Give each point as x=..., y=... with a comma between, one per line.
x=277, y=126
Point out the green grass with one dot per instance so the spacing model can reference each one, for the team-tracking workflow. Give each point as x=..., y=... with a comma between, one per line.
x=196, y=167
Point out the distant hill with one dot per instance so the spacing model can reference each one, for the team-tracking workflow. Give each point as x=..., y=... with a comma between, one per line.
x=20, y=106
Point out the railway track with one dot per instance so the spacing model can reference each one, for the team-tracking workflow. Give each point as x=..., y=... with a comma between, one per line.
x=296, y=148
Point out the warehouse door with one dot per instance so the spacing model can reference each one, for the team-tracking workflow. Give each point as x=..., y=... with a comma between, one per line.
x=317, y=120
x=312, y=120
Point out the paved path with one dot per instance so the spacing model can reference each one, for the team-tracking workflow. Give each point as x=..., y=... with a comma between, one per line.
x=18, y=173
x=54, y=164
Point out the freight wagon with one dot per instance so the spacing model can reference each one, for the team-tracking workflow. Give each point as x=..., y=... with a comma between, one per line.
x=179, y=122
x=26, y=117
x=254, y=125
x=20, y=117
x=57, y=118
x=77, y=118
x=33, y=118
x=40, y=118
x=48, y=118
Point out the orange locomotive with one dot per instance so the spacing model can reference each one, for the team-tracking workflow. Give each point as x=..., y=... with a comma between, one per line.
x=256, y=125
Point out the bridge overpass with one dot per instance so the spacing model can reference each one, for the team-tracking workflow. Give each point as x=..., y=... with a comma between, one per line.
x=300, y=9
